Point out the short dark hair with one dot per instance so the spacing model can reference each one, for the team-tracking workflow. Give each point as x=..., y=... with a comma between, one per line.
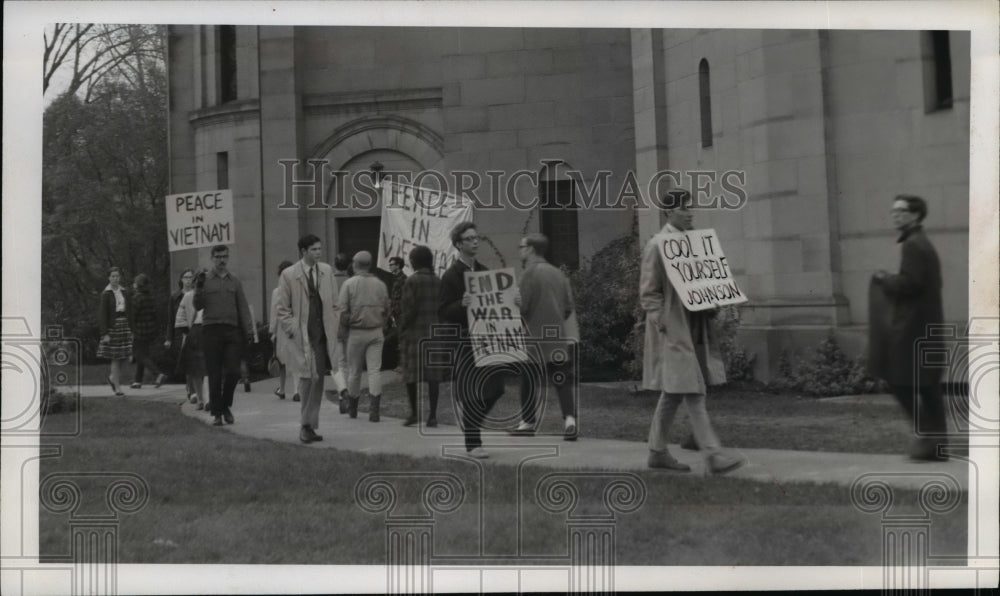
x=538, y=242
x=341, y=262
x=307, y=241
x=113, y=270
x=914, y=204
x=421, y=257
x=458, y=230
x=219, y=248
x=141, y=282
x=283, y=265
x=675, y=199
x=397, y=260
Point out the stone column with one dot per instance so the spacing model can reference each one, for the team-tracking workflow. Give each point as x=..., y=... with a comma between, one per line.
x=409, y=538
x=94, y=536
x=906, y=536
x=591, y=524
x=649, y=105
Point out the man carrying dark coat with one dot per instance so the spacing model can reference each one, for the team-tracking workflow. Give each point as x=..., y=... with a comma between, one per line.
x=914, y=298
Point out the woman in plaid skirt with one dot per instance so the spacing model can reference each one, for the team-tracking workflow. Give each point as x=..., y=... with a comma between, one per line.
x=116, y=337
x=418, y=312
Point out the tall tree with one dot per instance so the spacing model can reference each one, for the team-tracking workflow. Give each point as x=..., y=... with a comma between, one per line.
x=104, y=179
x=84, y=54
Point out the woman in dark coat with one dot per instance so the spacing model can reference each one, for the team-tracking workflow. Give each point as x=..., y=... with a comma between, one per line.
x=418, y=312
x=144, y=328
x=116, y=337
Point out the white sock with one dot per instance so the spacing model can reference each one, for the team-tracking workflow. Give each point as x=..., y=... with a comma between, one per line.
x=570, y=420
x=523, y=426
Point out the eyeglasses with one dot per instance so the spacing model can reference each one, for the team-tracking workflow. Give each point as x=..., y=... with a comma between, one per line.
x=470, y=238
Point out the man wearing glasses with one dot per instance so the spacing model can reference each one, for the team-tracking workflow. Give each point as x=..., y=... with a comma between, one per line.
x=226, y=325
x=476, y=392
x=914, y=295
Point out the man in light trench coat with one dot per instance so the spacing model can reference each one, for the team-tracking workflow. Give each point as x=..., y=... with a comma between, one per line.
x=678, y=355
x=308, y=318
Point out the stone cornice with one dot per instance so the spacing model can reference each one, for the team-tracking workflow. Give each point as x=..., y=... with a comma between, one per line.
x=376, y=100
x=234, y=111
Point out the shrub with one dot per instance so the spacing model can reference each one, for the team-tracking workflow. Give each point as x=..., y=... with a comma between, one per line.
x=739, y=364
x=605, y=288
x=825, y=371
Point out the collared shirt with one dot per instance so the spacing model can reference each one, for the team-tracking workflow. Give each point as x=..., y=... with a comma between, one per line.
x=223, y=301
x=119, y=298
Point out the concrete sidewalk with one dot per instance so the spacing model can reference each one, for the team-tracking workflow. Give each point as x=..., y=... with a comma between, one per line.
x=259, y=414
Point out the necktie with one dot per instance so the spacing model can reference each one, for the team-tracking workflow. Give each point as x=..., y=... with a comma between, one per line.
x=312, y=277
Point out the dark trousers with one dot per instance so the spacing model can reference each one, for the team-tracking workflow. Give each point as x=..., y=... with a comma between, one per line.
x=223, y=349
x=140, y=351
x=924, y=406
x=535, y=378
x=477, y=390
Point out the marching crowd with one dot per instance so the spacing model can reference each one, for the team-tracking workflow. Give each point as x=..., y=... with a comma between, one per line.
x=330, y=322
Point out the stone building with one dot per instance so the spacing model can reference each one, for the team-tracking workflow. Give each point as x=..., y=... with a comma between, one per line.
x=821, y=128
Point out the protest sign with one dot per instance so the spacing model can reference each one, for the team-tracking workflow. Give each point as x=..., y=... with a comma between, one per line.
x=200, y=219
x=495, y=326
x=412, y=216
x=698, y=269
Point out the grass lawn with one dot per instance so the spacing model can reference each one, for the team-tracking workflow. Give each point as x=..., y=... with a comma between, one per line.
x=217, y=497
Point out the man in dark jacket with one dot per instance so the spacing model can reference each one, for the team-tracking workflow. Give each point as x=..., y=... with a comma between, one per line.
x=475, y=391
x=226, y=329
x=914, y=296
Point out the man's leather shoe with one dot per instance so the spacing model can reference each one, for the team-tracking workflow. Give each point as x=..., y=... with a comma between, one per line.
x=160, y=378
x=136, y=385
x=664, y=461
x=217, y=421
x=296, y=397
x=228, y=416
x=720, y=463
x=570, y=433
x=410, y=420
x=352, y=407
x=305, y=434
x=432, y=422
x=690, y=444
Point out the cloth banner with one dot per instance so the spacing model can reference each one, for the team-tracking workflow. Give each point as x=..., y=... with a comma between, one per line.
x=412, y=216
x=698, y=269
x=496, y=329
x=200, y=219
